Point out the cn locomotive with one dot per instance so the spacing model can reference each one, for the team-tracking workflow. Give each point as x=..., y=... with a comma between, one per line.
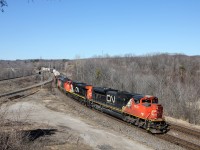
x=140, y=110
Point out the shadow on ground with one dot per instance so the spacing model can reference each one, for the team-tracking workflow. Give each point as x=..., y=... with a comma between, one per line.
x=32, y=135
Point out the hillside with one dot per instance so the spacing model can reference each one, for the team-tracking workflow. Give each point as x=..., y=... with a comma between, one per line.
x=174, y=79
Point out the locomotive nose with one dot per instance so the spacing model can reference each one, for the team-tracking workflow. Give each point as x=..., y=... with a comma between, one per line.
x=157, y=111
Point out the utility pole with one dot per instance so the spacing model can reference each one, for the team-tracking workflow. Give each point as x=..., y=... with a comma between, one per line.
x=41, y=77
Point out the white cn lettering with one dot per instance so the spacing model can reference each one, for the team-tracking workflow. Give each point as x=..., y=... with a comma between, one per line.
x=110, y=99
x=77, y=90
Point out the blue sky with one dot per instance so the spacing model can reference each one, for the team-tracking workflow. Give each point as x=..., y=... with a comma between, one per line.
x=65, y=29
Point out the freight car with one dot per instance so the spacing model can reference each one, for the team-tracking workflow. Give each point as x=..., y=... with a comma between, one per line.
x=137, y=109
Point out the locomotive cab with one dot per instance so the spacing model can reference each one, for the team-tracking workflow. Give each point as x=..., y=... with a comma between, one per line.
x=145, y=107
x=146, y=112
x=154, y=110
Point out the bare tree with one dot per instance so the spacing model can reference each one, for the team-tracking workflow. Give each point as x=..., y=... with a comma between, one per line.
x=3, y=3
x=174, y=79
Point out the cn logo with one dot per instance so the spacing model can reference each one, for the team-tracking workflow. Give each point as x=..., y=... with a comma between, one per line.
x=110, y=99
x=76, y=90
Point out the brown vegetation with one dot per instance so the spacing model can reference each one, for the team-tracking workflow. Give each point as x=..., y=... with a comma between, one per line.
x=174, y=79
x=13, y=135
x=21, y=68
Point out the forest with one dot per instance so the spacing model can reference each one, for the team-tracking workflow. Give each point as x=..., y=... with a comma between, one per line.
x=174, y=79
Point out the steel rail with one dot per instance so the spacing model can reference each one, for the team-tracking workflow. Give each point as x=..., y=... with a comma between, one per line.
x=185, y=130
x=177, y=141
x=27, y=88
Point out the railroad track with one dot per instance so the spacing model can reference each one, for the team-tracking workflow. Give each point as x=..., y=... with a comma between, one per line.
x=27, y=88
x=20, y=95
x=23, y=94
x=167, y=137
x=177, y=141
x=185, y=130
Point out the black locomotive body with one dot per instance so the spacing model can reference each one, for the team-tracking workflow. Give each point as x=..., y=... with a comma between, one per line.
x=111, y=97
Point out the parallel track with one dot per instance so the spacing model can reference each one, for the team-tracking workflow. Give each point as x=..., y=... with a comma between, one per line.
x=24, y=94
x=185, y=130
x=27, y=88
x=178, y=141
x=166, y=137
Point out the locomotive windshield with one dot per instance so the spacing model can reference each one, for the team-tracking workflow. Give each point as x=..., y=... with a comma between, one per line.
x=146, y=102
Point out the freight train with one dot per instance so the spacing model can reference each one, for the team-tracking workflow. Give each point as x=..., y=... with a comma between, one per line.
x=140, y=110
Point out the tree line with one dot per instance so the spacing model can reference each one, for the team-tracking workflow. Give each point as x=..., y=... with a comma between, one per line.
x=174, y=79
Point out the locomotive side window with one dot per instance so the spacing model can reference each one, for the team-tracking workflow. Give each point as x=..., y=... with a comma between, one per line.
x=155, y=101
x=137, y=98
x=146, y=101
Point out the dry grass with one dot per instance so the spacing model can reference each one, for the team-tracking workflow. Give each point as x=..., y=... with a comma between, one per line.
x=14, y=134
